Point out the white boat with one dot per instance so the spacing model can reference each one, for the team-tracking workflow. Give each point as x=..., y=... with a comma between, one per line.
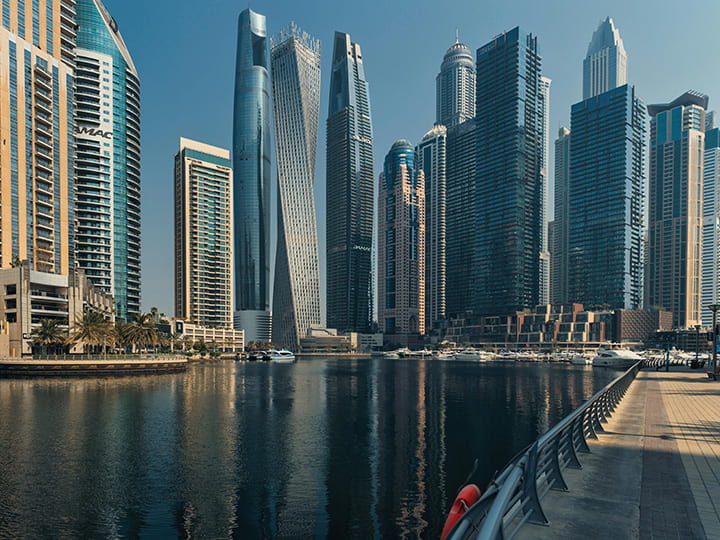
x=282, y=356
x=581, y=360
x=393, y=355
x=444, y=355
x=470, y=354
x=617, y=358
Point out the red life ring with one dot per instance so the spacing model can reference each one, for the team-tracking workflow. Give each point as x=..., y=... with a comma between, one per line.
x=468, y=496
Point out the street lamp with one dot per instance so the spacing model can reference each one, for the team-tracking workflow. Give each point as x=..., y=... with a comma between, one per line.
x=696, y=364
x=713, y=372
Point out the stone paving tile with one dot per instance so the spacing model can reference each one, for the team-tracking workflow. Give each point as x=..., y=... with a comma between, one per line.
x=692, y=405
x=664, y=442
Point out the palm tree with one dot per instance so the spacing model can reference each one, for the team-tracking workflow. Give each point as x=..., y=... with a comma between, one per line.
x=141, y=331
x=49, y=335
x=92, y=330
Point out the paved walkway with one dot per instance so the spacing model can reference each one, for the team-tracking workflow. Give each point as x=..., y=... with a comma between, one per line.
x=655, y=471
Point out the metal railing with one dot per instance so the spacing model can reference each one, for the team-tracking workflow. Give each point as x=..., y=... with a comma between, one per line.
x=513, y=497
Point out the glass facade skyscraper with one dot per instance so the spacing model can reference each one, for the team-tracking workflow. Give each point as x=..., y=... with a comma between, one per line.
x=349, y=173
x=606, y=198
x=711, y=224
x=544, y=171
x=605, y=64
x=559, y=253
x=677, y=143
x=455, y=87
x=37, y=47
x=401, y=243
x=107, y=95
x=251, y=178
x=496, y=223
x=203, y=234
x=295, y=61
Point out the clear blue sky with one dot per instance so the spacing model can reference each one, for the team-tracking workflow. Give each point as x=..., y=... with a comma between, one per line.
x=185, y=53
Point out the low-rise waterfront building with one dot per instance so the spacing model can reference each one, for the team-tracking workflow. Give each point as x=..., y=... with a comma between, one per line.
x=216, y=339
x=28, y=296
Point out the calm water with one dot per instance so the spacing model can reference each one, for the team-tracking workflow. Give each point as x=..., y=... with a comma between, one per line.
x=321, y=448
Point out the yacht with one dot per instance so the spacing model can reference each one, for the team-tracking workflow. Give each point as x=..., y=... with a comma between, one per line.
x=617, y=358
x=282, y=356
x=470, y=354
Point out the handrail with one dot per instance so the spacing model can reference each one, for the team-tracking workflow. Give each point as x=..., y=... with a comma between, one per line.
x=514, y=496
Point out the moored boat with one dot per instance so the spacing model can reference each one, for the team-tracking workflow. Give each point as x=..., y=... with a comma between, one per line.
x=616, y=358
x=282, y=356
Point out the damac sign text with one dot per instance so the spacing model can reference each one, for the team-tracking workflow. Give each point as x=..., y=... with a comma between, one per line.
x=92, y=132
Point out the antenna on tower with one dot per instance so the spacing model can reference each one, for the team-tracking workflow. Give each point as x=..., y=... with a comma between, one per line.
x=457, y=36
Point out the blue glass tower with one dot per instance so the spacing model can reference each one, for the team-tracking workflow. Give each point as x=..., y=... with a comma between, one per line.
x=606, y=200
x=495, y=226
x=251, y=178
x=349, y=190
x=107, y=94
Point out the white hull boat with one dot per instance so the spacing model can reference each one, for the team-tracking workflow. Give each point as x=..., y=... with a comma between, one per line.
x=616, y=358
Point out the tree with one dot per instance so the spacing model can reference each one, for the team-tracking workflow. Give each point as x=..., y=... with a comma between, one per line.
x=200, y=346
x=49, y=336
x=92, y=330
x=141, y=331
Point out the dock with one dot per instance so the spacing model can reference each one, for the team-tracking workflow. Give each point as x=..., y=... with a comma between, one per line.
x=86, y=366
x=653, y=473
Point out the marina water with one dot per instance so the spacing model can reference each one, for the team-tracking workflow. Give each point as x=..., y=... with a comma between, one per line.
x=325, y=447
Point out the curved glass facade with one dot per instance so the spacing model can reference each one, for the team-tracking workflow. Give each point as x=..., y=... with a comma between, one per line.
x=251, y=172
x=107, y=135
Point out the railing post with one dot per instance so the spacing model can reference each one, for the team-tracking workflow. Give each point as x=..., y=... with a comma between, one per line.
x=530, y=493
x=555, y=472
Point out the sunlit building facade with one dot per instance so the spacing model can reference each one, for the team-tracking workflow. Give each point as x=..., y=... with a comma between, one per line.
x=349, y=190
x=432, y=160
x=203, y=234
x=605, y=64
x=251, y=171
x=37, y=47
x=107, y=160
x=401, y=242
x=295, y=62
x=455, y=87
x=677, y=143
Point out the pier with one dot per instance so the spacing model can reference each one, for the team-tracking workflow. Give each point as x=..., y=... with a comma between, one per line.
x=93, y=366
x=652, y=472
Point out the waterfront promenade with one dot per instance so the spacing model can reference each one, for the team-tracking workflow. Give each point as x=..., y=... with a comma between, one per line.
x=655, y=471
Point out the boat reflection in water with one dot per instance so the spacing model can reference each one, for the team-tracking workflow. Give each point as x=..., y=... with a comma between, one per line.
x=319, y=448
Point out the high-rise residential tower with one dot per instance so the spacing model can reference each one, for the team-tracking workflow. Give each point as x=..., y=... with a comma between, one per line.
x=677, y=142
x=559, y=253
x=401, y=243
x=432, y=159
x=455, y=87
x=350, y=190
x=36, y=127
x=295, y=61
x=251, y=179
x=495, y=184
x=107, y=159
x=203, y=234
x=600, y=224
x=544, y=168
x=605, y=64
x=711, y=222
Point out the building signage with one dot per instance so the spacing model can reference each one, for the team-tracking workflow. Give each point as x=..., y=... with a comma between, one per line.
x=93, y=132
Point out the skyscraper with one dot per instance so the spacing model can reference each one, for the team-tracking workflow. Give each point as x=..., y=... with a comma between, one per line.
x=36, y=127
x=677, y=142
x=432, y=159
x=295, y=61
x=544, y=168
x=495, y=229
x=107, y=160
x=455, y=87
x=251, y=179
x=559, y=254
x=711, y=222
x=602, y=220
x=349, y=190
x=605, y=64
x=203, y=234
x=401, y=243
